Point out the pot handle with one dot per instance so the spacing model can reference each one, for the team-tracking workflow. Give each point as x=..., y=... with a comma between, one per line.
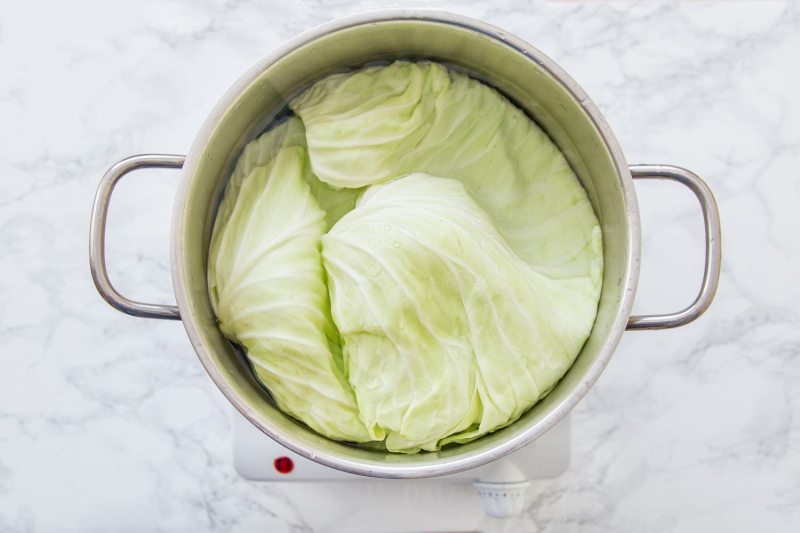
x=97, y=236
x=713, y=247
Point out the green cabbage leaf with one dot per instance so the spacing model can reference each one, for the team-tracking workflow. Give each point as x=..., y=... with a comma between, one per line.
x=268, y=287
x=449, y=334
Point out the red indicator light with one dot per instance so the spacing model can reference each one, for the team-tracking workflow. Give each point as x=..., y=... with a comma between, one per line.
x=284, y=465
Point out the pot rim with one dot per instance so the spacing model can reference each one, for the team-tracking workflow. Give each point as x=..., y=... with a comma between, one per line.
x=513, y=442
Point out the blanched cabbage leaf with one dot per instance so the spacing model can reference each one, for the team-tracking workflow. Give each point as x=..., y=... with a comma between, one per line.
x=268, y=287
x=446, y=329
x=379, y=123
x=410, y=260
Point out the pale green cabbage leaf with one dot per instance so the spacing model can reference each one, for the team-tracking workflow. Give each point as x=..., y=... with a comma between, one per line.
x=379, y=123
x=448, y=333
x=268, y=287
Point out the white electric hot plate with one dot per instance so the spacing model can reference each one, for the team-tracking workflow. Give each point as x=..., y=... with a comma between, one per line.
x=329, y=501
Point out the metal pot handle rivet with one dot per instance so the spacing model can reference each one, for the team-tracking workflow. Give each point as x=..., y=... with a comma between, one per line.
x=97, y=236
x=713, y=247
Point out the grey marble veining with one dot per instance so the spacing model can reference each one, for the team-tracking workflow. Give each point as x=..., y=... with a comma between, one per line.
x=109, y=423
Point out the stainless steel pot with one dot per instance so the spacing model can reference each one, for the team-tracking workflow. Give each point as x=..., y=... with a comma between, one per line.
x=529, y=79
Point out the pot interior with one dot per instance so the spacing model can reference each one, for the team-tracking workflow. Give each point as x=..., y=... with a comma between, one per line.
x=523, y=75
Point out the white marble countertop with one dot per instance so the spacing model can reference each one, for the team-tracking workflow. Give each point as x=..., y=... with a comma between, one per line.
x=109, y=423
